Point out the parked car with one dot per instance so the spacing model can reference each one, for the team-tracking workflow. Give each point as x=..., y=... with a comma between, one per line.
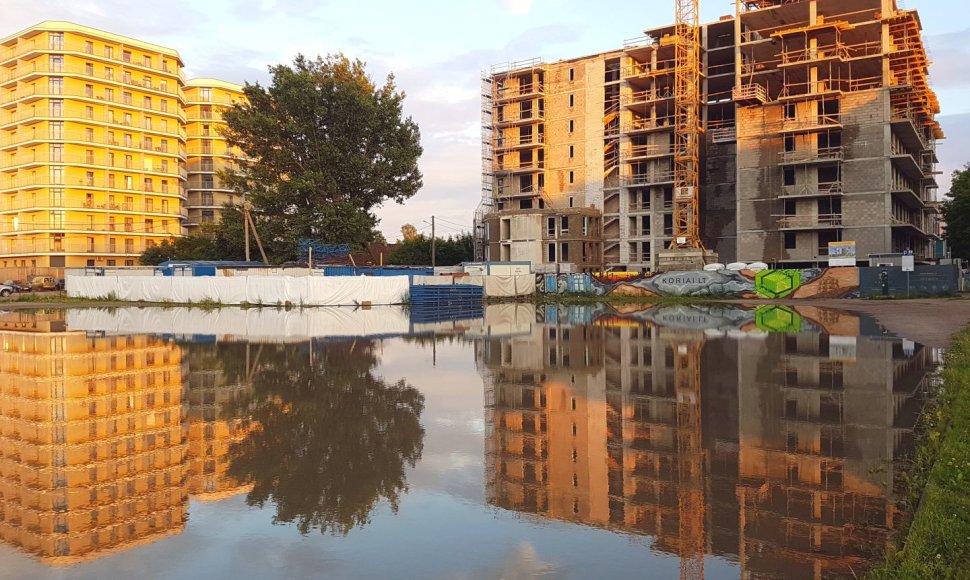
x=43, y=283
x=17, y=286
x=5, y=290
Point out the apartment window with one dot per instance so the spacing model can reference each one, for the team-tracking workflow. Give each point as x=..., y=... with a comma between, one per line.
x=129, y=243
x=165, y=65
x=207, y=182
x=109, y=52
x=150, y=226
x=551, y=253
x=127, y=119
x=791, y=241
x=57, y=175
x=571, y=200
x=164, y=123
x=146, y=81
x=163, y=105
x=126, y=98
x=89, y=112
x=148, y=61
x=126, y=77
x=89, y=157
x=57, y=41
x=89, y=135
x=56, y=108
x=206, y=111
x=129, y=225
x=109, y=73
x=789, y=110
x=111, y=159
x=129, y=182
x=109, y=94
x=163, y=86
x=572, y=125
x=572, y=100
x=564, y=224
x=789, y=143
x=165, y=222
x=57, y=152
x=789, y=176
x=164, y=210
x=111, y=228
x=56, y=129
x=111, y=180
x=128, y=139
x=126, y=56
x=89, y=91
x=147, y=103
x=164, y=166
x=208, y=216
x=205, y=94
x=572, y=151
x=164, y=146
x=111, y=116
x=572, y=177
x=56, y=85
x=89, y=178
x=572, y=74
x=148, y=123
x=149, y=186
x=88, y=47
x=147, y=143
x=128, y=162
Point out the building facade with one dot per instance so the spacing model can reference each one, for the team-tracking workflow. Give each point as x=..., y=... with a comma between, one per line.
x=819, y=127
x=93, y=147
x=207, y=153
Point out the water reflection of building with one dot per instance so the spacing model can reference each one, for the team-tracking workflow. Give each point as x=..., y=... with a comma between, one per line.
x=798, y=437
x=210, y=428
x=91, y=447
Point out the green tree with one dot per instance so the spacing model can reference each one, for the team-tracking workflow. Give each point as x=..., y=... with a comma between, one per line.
x=333, y=438
x=956, y=214
x=200, y=245
x=448, y=251
x=322, y=146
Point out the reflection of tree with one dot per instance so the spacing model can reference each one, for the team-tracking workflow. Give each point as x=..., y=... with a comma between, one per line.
x=333, y=439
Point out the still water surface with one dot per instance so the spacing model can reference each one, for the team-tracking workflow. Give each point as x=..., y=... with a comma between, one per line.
x=514, y=442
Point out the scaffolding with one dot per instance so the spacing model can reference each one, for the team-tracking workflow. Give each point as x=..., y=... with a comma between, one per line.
x=487, y=202
x=687, y=126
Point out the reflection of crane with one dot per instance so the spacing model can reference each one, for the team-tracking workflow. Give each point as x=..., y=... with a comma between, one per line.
x=690, y=456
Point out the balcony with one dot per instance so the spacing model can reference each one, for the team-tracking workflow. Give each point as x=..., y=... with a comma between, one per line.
x=810, y=156
x=908, y=222
x=649, y=124
x=525, y=91
x=646, y=96
x=44, y=92
x=520, y=118
x=638, y=152
x=505, y=144
x=648, y=178
x=805, y=222
x=817, y=190
x=753, y=94
x=518, y=167
x=165, y=67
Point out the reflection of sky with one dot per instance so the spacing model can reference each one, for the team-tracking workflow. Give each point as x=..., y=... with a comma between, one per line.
x=443, y=528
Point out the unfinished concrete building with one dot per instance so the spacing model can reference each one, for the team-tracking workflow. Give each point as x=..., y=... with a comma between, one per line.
x=819, y=127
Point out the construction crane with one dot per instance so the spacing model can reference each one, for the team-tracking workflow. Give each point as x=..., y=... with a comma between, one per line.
x=686, y=249
x=691, y=457
x=687, y=124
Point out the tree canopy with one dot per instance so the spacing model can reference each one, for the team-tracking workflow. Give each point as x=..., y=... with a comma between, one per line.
x=321, y=147
x=334, y=439
x=448, y=251
x=956, y=214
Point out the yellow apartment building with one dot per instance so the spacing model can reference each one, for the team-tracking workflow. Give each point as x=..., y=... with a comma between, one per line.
x=92, y=452
x=207, y=151
x=92, y=147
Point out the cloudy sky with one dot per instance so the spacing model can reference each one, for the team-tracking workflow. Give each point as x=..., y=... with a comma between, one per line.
x=436, y=48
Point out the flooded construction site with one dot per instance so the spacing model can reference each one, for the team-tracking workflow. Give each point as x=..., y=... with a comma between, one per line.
x=509, y=441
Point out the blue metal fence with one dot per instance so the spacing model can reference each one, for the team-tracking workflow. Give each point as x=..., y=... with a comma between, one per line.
x=454, y=294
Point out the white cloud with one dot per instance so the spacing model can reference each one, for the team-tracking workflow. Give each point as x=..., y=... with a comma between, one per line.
x=517, y=7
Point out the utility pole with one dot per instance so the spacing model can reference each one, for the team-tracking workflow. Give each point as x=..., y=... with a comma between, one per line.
x=432, y=242
x=246, y=227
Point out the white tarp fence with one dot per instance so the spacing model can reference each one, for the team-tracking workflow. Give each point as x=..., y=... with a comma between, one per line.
x=251, y=324
x=502, y=286
x=266, y=290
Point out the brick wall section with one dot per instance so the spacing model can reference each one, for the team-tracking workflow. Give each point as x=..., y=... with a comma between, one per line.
x=866, y=171
x=718, y=212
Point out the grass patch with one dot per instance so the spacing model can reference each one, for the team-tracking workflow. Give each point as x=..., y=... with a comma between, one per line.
x=935, y=541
